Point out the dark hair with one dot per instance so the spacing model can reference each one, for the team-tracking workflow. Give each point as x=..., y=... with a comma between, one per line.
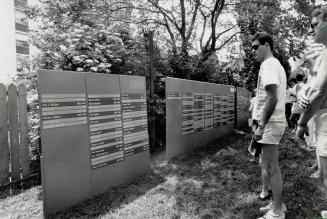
x=321, y=13
x=264, y=37
x=299, y=77
x=292, y=80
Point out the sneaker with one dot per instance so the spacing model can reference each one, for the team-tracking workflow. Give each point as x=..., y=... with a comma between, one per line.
x=310, y=148
x=271, y=215
x=269, y=207
x=315, y=175
x=263, y=196
x=314, y=167
x=323, y=214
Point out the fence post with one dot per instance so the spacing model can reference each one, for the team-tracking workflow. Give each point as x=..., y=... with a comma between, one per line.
x=24, y=146
x=4, y=147
x=13, y=132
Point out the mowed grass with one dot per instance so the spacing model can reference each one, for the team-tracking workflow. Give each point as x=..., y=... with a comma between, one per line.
x=217, y=181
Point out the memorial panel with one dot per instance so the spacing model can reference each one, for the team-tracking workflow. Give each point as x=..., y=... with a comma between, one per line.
x=208, y=102
x=106, y=136
x=135, y=126
x=196, y=113
x=199, y=114
x=65, y=137
x=243, y=104
x=187, y=113
x=85, y=132
x=179, y=119
x=134, y=123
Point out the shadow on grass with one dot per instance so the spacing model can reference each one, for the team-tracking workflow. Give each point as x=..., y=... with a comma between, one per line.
x=18, y=188
x=206, y=183
x=210, y=185
x=113, y=198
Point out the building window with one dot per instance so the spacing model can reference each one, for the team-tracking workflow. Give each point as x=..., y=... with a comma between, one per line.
x=22, y=47
x=20, y=3
x=21, y=21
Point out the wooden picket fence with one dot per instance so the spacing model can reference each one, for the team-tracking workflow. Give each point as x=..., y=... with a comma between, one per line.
x=14, y=146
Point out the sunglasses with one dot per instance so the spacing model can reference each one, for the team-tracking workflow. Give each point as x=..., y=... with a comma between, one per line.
x=313, y=26
x=255, y=47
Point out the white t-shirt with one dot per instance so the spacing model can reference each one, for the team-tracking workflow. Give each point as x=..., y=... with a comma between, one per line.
x=294, y=91
x=271, y=72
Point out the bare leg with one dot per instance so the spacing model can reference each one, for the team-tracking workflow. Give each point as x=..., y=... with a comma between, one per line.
x=317, y=174
x=265, y=178
x=270, y=158
x=323, y=163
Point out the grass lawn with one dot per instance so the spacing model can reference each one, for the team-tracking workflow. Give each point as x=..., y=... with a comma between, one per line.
x=211, y=182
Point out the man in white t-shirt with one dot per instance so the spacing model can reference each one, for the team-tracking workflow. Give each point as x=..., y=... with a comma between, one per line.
x=269, y=111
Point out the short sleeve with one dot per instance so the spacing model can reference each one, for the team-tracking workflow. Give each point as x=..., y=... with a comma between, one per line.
x=270, y=74
x=321, y=78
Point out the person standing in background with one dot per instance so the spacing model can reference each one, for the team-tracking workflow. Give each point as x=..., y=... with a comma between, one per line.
x=313, y=99
x=288, y=107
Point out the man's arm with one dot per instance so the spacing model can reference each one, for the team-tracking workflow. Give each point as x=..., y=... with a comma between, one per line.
x=317, y=93
x=251, y=110
x=270, y=105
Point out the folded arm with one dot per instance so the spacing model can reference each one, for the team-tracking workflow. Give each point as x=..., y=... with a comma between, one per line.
x=316, y=92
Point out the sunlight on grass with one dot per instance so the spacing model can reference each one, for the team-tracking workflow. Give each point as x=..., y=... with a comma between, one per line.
x=197, y=183
x=207, y=164
x=147, y=206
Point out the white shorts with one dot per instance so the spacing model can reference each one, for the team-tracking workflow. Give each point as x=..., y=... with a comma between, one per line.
x=320, y=131
x=273, y=132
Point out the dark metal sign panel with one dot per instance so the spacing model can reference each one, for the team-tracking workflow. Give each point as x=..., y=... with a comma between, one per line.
x=223, y=94
x=217, y=105
x=106, y=136
x=105, y=130
x=94, y=134
x=208, y=107
x=187, y=113
x=66, y=171
x=196, y=113
x=134, y=123
x=199, y=105
x=243, y=105
x=199, y=114
x=179, y=116
x=211, y=131
x=135, y=126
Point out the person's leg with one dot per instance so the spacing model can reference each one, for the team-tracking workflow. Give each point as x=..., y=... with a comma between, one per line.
x=317, y=174
x=288, y=114
x=292, y=119
x=271, y=159
x=323, y=166
x=265, y=178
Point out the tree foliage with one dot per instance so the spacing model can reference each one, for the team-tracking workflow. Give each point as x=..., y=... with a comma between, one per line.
x=191, y=30
x=266, y=16
x=72, y=36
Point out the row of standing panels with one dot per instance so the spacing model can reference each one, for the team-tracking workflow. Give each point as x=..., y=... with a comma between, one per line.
x=196, y=113
x=94, y=134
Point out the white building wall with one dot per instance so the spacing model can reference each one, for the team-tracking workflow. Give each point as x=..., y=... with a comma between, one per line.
x=7, y=41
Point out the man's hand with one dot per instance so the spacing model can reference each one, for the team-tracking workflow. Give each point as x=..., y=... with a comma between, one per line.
x=314, y=50
x=303, y=100
x=301, y=130
x=258, y=133
x=250, y=122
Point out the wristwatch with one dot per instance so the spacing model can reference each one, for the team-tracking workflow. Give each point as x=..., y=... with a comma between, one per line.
x=301, y=124
x=260, y=125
